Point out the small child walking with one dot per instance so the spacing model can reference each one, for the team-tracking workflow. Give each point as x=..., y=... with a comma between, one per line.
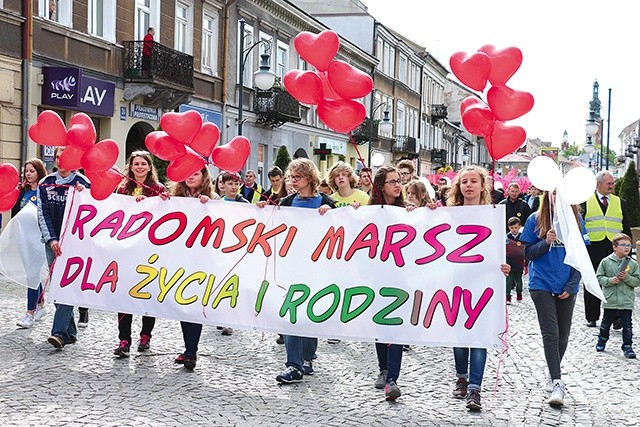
x=619, y=276
x=515, y=258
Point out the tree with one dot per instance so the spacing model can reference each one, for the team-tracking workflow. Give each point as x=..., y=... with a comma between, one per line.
x=282, y=158
x=161, y=168
x=617, y=186
x=629, y=193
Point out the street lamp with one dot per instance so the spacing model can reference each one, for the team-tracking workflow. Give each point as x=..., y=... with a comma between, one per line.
x=465, y=156
x=385, y=127
x=263, y=78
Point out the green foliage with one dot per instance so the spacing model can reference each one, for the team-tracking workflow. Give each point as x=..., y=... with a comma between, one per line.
x=629, y=193
x=571, y=151
x=617, y=186
x=282, y=158
x=161, y=169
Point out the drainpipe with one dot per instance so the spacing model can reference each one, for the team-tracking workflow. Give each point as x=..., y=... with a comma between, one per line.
x=27, y=39
x=225, y=65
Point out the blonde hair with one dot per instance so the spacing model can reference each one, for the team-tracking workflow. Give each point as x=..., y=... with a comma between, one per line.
x=337, y=169
x=420, y=189
x=456, y=198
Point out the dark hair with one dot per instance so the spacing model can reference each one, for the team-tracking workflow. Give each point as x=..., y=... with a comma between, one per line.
x=228, y=176
x=513, y=221
x=180, y=189
x=543, y=216
x=408, y=164
x=377, y=196
x=40, y=170
x=275, y=171
x=151, y=179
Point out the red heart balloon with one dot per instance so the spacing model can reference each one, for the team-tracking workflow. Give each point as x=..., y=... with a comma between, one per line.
x=467, y=102
x=478, y=119
x=348, y=81
x=164, y=146
x=82, y=132
x=317, y=49
x=101, y=156
x=185, y=166
x=104, y=183
x=49, y=129
x=327, y=91
x=70, y=158
x=206, y=139
x=504, y=140
x=9, y=177
x=305, y=86
x=507, y=103
x=504, y=63
x=342, y=115
x=232, y=156
x=181, y=126
x=472, y=70
x=9, y=199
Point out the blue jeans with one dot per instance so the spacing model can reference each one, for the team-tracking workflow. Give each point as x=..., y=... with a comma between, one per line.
x=389, y=359
x=470, y=362
x=64, y=325
x=299, y=349
x=191, y=333
x=625, y=319
x=34, y=297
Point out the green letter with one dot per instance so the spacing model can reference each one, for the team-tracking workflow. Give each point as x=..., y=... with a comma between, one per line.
x=401, y=297
x=349, y=293
x=331, y=289
x=291, y=304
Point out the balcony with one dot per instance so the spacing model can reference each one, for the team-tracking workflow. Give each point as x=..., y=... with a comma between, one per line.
x=361, y=133
x=407, y=145
x=275, y=107
x=438, y=156
x=438, y=111
x=164, y=78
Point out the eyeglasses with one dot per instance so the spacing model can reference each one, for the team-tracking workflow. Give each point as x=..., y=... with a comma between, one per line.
x=296, y=177
x=393, y=182
x=624, y=245
x=404, y=173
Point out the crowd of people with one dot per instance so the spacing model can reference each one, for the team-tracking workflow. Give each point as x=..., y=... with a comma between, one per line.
x=533, y=250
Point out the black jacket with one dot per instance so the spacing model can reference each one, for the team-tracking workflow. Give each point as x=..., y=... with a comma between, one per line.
x=326, y=200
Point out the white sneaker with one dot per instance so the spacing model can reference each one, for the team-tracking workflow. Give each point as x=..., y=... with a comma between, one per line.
x=558, y=393
x=549, y=385
x=26, y=321
x=41, y=313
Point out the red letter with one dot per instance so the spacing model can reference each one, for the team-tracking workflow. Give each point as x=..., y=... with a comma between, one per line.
x=261, y=239
x=207, y=228
x=360, y=242
x=335, y=238
x=113, y=222
x=79, y=223
x=431, y=237
x=481, y=232
x=86, y=285
x=396, y=248
x=238, y=231
x=110, y=275
x=288, y=241
x=182, y=219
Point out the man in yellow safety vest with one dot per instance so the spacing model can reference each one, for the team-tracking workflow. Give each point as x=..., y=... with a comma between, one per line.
x=251, y=190
x=604, y=216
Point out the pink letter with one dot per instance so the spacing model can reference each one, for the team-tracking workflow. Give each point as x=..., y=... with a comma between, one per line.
x=474, y=313
x=481, y=233
x=450, y=310
x=431, y=237
x=126, y=231
x=68, y=278
x=80, y=221
x=396, y=248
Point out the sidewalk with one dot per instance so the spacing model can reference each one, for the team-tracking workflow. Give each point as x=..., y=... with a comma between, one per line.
x=234, y=381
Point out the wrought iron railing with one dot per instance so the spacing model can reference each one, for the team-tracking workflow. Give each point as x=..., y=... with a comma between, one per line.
x=405, y=144
x=438, y=111
x=157, y=62
x=275, y=107
x=438, y=155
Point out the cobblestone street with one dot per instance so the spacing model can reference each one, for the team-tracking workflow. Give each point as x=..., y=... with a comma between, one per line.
x=234, y=381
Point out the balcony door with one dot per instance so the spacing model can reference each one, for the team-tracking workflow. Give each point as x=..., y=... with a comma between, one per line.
x=147, y=14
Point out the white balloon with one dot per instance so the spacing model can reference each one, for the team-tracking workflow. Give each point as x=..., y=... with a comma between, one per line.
x=578, y=185
x=430, y=191
x=543, y=173
x=377, y=160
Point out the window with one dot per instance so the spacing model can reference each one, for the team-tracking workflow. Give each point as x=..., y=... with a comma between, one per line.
x=247, y=57
x=101, y=19
x=60, y=11
x=302, y=64
x=402, y=69
x=209, y=42
x=400, y=121
x=282, y=60
x=380, y=54
x=147, y=14
x=184, y=27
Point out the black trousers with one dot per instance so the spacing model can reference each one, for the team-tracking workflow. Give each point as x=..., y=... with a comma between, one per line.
x=597, y=252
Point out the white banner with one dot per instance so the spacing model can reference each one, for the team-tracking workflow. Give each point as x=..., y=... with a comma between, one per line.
x=377, y=273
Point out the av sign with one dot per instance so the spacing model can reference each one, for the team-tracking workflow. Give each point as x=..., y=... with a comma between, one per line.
x=69, y=88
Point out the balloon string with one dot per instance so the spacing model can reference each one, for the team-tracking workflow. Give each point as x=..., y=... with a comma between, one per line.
x=505, y=347
x=493, y=179
x=368, y=172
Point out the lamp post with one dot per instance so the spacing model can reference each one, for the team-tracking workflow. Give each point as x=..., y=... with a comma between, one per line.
x=385, y=127
x=591, y=128
x=465, y=156
x=263, y=78
x=608, y=125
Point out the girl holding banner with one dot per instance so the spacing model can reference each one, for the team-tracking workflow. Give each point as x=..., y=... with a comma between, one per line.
x=471, y=188
x=142, y=183
x=198, y=185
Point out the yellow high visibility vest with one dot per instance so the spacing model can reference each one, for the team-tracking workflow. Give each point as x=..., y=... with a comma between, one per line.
x=255, y=198
x=603, y=225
